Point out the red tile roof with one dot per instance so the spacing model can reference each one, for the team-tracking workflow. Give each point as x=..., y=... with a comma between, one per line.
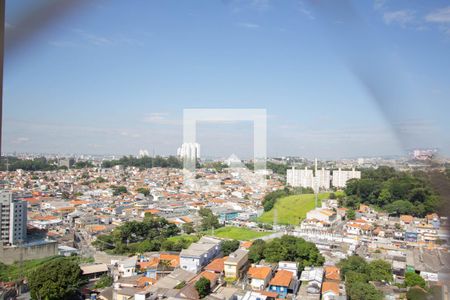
x=259, y=272
x=217, y=265
x=281, y=278
x=328, y=286
x=332, y=273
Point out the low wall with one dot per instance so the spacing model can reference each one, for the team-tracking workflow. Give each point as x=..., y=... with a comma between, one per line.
x=9, y=255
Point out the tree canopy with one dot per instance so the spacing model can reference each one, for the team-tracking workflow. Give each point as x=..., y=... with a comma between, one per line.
x=395, y=191
x=288, y=248
x=357, y=274
x=209, y=220
x=229, y=246
x=203, y=287
x=144, y=162
x=56, y=279
x=137, y=237
x=413, y=279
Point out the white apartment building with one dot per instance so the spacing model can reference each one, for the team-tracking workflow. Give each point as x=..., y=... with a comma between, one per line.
x=305, y=178
x=300, y=178
x=340, y=177
x=13, y=219
x=323, y=178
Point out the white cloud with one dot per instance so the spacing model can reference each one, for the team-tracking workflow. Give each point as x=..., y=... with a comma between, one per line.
x=20, y=140
x=63, y=44
x=401, y=17
x=248, y=25
x=160, y=118
x=261, y=4
x=379, y=4
x=441, y=15
x=93, y=39
x=305, y=11
x=83, y=37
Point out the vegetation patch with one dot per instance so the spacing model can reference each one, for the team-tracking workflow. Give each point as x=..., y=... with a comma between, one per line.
x=238, y=233
x=292, y=209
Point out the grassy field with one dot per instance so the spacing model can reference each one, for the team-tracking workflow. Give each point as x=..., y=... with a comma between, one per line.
x=292, y=209
x=237, y=233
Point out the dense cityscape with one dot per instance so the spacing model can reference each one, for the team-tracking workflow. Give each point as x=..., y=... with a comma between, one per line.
x=131, y=228
x=224, y=150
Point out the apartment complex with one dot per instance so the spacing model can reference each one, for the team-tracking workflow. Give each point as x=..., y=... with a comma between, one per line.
x=340, y=177
x=300, y=178
x=320, y=179
x=13, y=219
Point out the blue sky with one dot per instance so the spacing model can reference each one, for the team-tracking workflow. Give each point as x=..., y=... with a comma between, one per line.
x=337, y=78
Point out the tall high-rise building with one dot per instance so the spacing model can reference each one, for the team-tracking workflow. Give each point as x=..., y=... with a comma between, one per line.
x=340, y=177
x=13, y=219
x=189, y=151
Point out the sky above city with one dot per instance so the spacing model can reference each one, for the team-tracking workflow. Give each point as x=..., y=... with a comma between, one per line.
x=338, y=79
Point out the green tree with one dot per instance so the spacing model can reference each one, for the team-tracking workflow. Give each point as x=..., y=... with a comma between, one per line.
x=167, y=245
x=286, y=248
x=417, y=293
x=144, y=191
x=117, y=190
x=274, y=251
x=363, y=291
x=351, y=215
x=353, y=263
x=400, y=207
x=229, y=246
x=380, y=270
x=58, y=279
x=100, y=179
x=188, y=228
x=414, y=279
x=256, y=251
x=203, y=287
x=209, y=220
x=104, y=281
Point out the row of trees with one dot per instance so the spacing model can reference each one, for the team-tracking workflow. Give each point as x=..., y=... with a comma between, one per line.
x=144, y=162
x=37, y=164
x=288, y=248
x=13, y=163
x=394, y=191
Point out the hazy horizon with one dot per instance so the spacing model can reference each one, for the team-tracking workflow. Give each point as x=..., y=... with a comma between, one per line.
x=368, y=79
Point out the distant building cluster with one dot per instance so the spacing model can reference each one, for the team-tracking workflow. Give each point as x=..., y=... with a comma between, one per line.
x=189, y=151
x=426, y=154
x=320, y=179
